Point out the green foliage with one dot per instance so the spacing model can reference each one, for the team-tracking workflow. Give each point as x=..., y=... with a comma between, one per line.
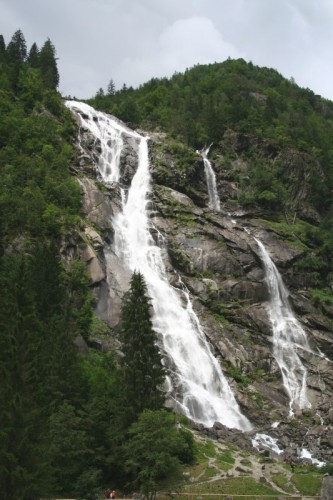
x=241, y=378
x=235, y=486
x=154, y=451
x=327, y=469
x=320, y=297
x=226, y=457
x=205, y=450
x=80, y=306
x=200, y=104
x=307, y=484
x=43, y=307
x=142, y=370
x=267, y=112
x=70, y=451
x=48, y=65
x=17, y=48
x=175, y=166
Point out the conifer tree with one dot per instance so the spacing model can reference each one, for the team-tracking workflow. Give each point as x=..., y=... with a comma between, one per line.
x=111, y=90
x=154, y=452
x=2, y=49
x=48, y=65
x=142, y=369
x=24, y=472
x=17, y=48
x=16, y=54
x=33, y=56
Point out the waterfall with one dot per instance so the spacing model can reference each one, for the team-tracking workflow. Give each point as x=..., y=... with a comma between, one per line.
x=196, y=382
x=214, y=200
x=288, y=335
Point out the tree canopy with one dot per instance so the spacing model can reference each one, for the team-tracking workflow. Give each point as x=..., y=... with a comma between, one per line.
x=142, y=369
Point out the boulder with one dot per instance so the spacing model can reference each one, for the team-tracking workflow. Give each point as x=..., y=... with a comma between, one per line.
x=326, y=492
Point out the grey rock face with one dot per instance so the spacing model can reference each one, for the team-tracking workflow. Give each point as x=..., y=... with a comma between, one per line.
x=218, y=259
x=326, y=492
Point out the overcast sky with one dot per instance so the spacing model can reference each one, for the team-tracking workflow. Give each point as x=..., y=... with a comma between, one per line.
x=131, y=41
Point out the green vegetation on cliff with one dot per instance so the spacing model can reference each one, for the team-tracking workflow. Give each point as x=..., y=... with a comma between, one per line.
x=200, y=104
x=282, y=133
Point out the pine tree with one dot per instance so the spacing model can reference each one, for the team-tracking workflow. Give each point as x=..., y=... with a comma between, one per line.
x=142, y=369
x=48, y=65
x=2, y=49
x=33, y=56
x=16, y=54
x=17, y=48
x=24, y=473
x=111, y=90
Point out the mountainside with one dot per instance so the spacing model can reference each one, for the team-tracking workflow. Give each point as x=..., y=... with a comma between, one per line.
x=215, y=254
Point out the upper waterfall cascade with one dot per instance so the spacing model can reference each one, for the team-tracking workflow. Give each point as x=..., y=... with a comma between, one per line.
x=214, y=200
x=196, y=381
x=288, y=335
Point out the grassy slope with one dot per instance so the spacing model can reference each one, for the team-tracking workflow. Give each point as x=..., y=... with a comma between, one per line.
x=221, y=468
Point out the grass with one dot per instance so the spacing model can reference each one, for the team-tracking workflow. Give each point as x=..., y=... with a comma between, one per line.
x=232, y=486
x=246, y=462
x=205, y=450
x=282, y=482
x=196, y=471
x=225, y=457
x=212, y=475
x=308, y=484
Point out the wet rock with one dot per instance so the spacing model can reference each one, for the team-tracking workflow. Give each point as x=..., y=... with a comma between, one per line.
x=94, y=267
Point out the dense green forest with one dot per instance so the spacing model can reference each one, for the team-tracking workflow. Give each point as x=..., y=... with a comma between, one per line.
x=200, y=105
x=66, y=428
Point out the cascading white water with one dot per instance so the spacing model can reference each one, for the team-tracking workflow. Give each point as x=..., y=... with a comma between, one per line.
x=214, y=200
x=288, y=335
x=196, y=381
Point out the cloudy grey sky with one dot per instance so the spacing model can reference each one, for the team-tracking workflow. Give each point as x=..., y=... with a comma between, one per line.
x=131, y=41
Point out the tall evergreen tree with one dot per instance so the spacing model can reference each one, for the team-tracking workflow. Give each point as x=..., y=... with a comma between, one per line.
x=2, y=49
x=111, y=90
x=17, y=48
x=33, y=56
x=48, y=65
x=23, y=471
x=142, y=369
x=16, y=54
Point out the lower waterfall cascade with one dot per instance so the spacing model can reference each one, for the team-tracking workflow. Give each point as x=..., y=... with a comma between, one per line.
x=196, y=382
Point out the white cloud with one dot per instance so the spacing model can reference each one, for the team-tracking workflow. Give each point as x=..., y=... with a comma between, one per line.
x=131, y=41
x=182, y=44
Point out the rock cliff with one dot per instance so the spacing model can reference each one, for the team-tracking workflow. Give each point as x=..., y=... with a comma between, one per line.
x=218, y=259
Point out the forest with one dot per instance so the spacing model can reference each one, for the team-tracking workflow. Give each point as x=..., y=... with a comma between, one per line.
x=66, y=427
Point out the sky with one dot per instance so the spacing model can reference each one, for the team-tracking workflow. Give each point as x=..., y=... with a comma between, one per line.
x=132, y=41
